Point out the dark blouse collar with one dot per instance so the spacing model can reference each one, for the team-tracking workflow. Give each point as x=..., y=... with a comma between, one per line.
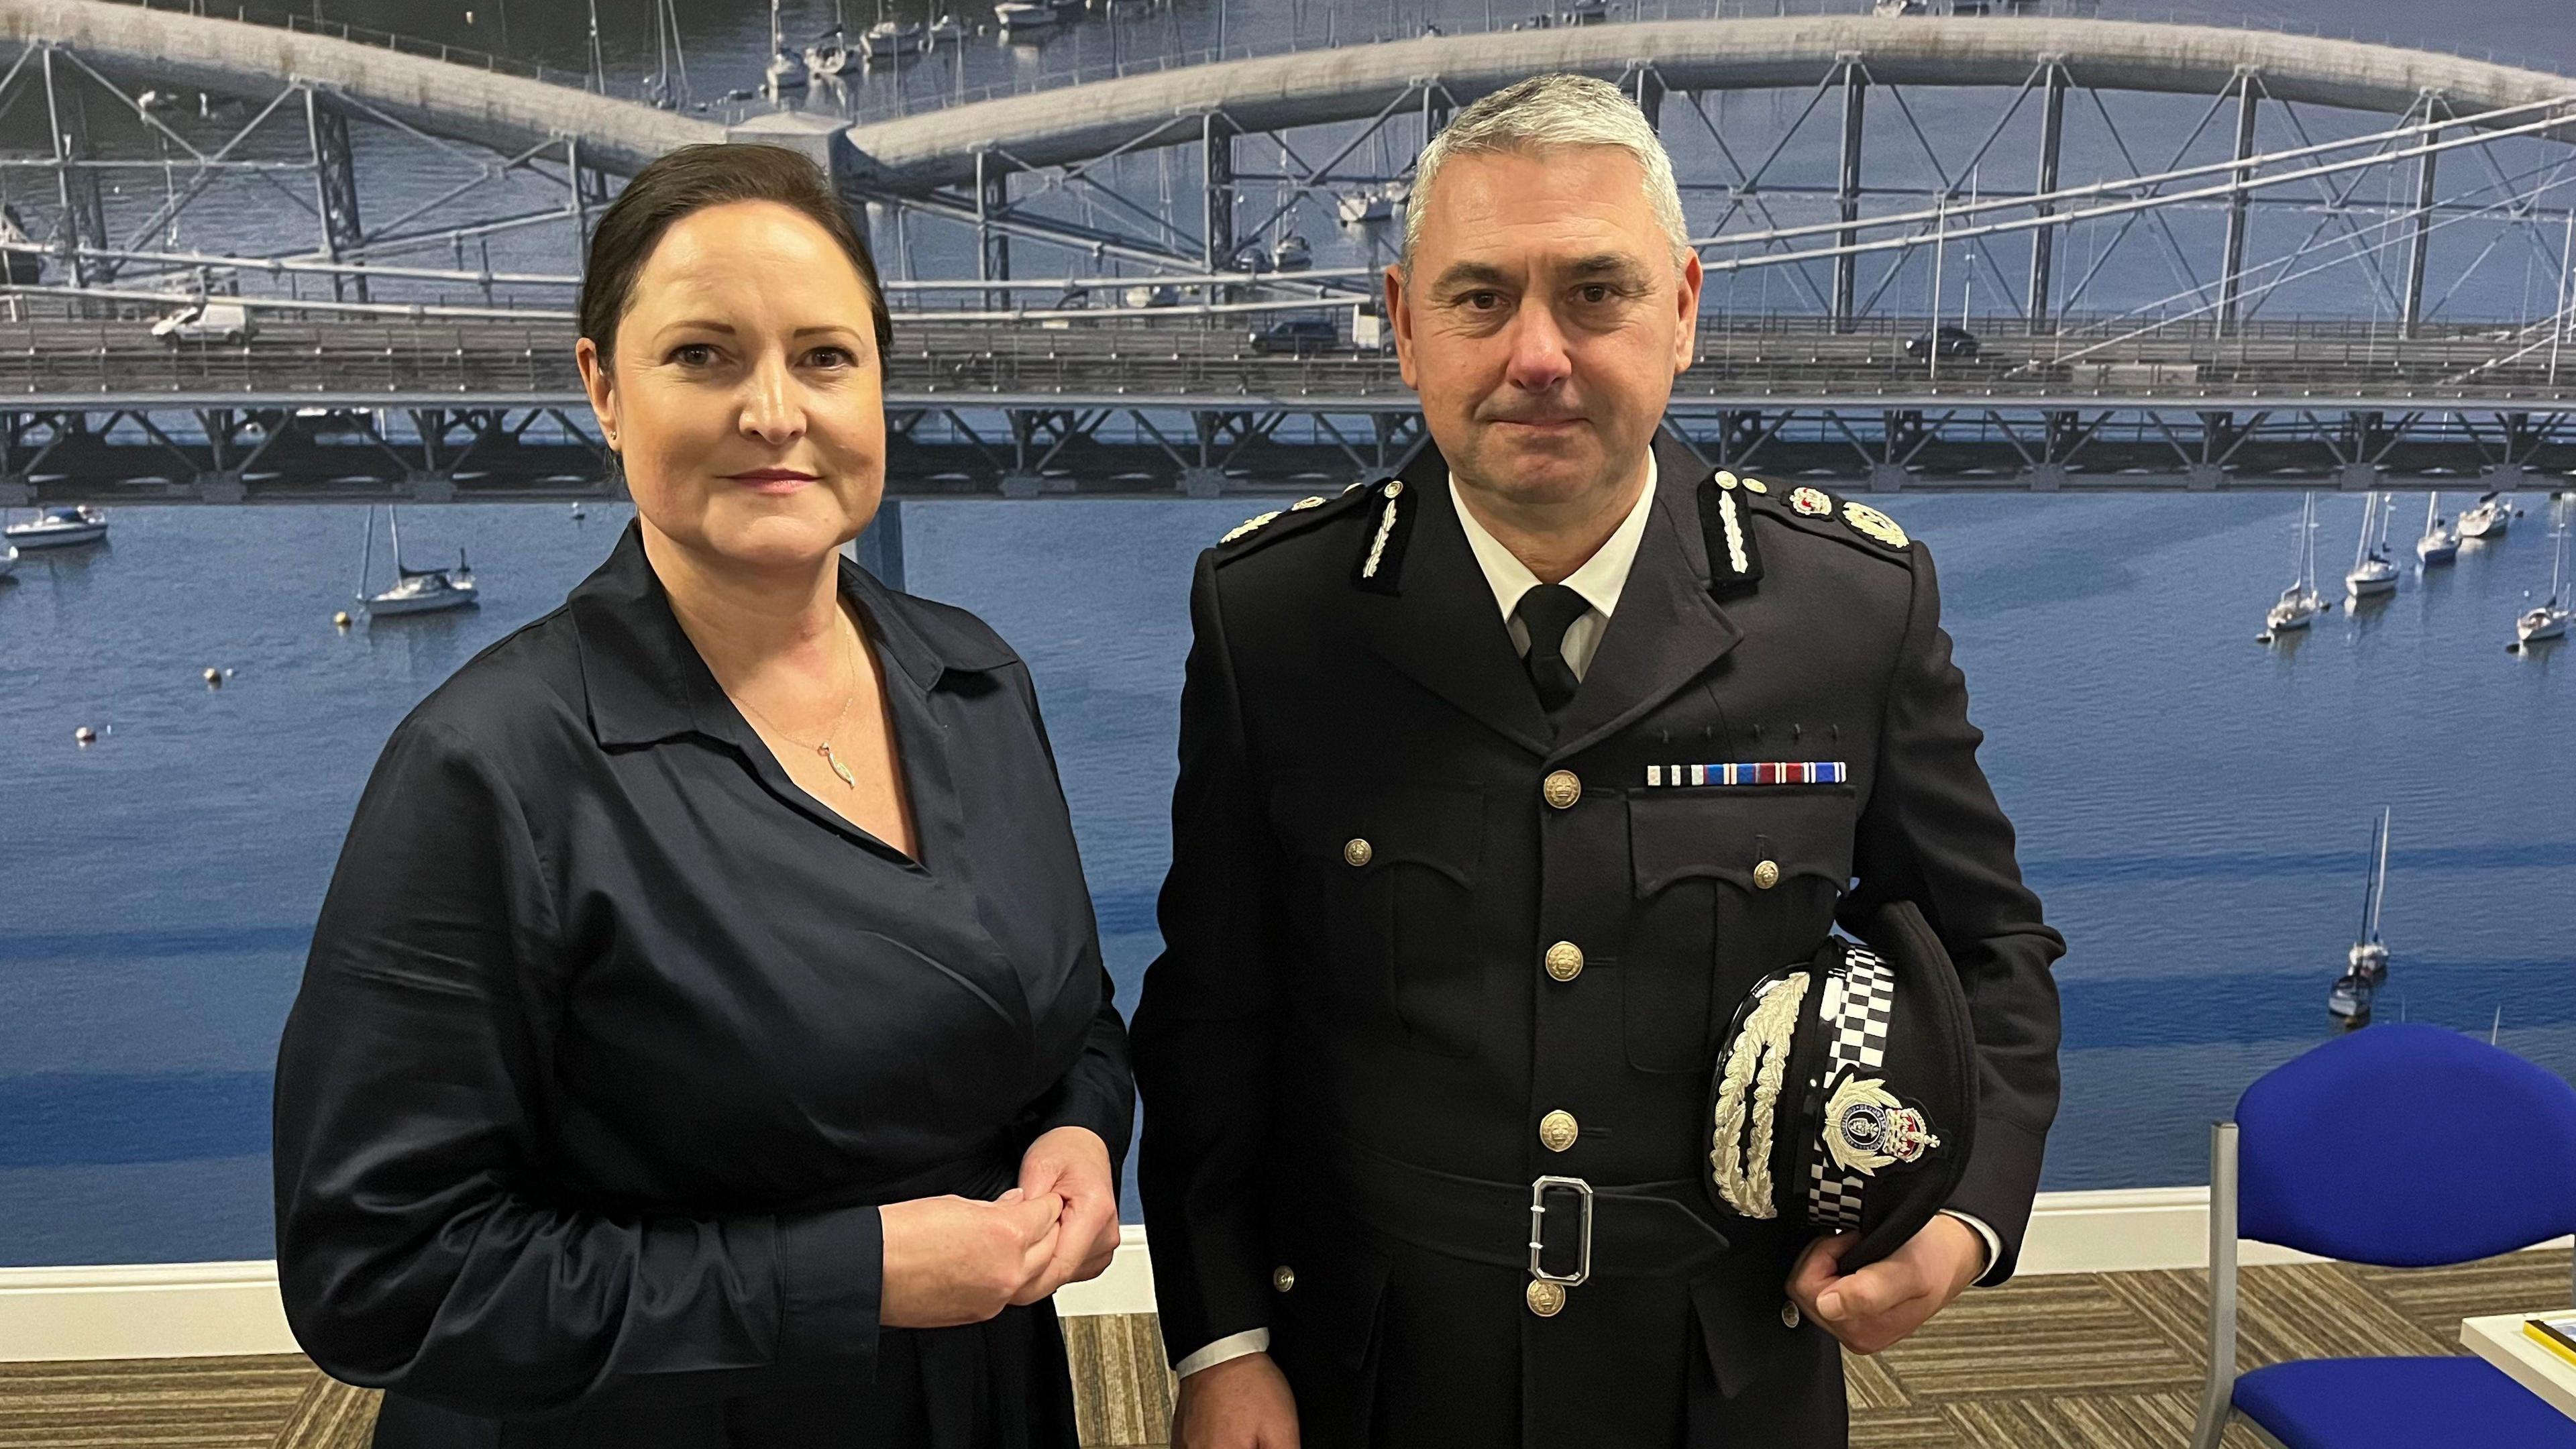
x=647, y=682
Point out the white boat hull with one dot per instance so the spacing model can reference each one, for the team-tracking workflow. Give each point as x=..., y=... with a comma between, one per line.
x=2541, y=624
x=2478, y=523
x=391, y=604
x=42, y=535
x=2362, y=586
x=8, y=561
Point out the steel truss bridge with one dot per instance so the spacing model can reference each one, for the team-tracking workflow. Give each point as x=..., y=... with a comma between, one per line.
x=2321, y=252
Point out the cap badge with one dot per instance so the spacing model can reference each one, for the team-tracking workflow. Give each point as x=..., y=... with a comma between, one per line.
x=1811, y=502
x=1868, y=1129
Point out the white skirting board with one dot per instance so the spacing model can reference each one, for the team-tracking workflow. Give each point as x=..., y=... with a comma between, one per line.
x=187, y=1310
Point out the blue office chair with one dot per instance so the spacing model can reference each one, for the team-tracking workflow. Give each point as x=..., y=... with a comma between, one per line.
x=2401, y=1147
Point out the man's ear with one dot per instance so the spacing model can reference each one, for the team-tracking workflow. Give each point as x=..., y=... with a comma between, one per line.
x=1401, y=319
x=1686, y=336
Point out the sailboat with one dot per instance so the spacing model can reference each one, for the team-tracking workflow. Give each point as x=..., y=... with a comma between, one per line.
x=2300, y=603
x=415, y=591
x=2372, y=573
x=2366, y=964
x=786, y=68
x=891, y=39
x=2550, y=619
x=2441, y=542
x=2489, y=519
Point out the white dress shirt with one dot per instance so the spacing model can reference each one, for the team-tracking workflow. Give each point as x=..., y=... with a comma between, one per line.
x=1600, y=581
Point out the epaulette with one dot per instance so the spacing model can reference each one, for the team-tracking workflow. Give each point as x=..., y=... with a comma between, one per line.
x=1819, y=512
x=1279, y=523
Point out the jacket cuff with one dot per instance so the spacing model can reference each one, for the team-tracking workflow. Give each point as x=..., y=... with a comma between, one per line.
x=831, y=1268
x=2001, y=1181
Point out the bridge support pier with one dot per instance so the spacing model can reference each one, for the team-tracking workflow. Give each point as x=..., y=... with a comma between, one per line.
x=1216, y=155
x=2419, y=244
x=992, y=244
x=221, y=485
x=2231, y=277
x=1197, y=482
x=2047, y=477
x=425, y=487
x=1888, y=477
x=1847, y=192
x=335, y=189
x=2204, y=478
x=2043, y=241
x=17, y=491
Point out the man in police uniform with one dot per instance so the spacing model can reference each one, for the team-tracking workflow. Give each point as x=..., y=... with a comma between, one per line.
x=1458, y=903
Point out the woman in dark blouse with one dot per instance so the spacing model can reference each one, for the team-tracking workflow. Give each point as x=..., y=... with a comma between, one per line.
x=705, y=1040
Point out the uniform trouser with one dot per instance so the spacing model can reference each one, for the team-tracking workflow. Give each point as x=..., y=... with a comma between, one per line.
x=1455, y=1357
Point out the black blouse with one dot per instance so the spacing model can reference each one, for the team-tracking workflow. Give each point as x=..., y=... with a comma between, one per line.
x=612, y=1038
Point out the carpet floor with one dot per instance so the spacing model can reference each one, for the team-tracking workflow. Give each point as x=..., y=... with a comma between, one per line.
x=2074, y=1361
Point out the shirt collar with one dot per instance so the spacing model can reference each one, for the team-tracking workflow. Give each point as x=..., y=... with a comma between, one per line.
x=647, y=682
x=1599, y=580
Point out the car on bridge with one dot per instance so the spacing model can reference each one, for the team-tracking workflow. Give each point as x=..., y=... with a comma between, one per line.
x=1298, y=336
x=1944, y=341
x=225, y=322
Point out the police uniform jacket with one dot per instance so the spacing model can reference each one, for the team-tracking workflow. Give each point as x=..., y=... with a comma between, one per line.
x=1425, y=943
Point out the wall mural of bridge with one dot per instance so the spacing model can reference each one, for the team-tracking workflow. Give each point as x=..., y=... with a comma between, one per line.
x=2192, y=257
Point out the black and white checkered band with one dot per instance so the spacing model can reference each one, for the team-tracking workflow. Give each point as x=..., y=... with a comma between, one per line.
x=1857, y=1004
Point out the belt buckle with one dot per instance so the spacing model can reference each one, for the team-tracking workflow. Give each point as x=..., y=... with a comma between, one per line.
x=1538, y=1216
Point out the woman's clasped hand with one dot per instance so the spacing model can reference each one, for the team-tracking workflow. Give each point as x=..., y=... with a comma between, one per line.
x=953, y=1260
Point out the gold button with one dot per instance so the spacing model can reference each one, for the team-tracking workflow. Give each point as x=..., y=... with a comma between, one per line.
x=1767, y=874
x=1565, y=960
x=1557, y=1130
x=1283, y=1277
x=1562, y=789
x=1356, y=852
x=1545, y=1299
x=1788, y=1311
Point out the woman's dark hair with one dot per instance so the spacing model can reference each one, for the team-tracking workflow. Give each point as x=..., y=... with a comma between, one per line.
x=692, y=179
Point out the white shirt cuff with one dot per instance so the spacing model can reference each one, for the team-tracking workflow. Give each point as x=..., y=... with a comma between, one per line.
x=1994, y=1244
x=1233, y=1345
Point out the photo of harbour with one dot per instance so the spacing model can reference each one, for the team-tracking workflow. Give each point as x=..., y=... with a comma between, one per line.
x=2233, y=411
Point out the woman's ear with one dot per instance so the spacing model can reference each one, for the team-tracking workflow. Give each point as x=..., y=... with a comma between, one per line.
x=599, y=382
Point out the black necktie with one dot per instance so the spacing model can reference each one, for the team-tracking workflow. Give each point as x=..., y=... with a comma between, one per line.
x=1547, y=611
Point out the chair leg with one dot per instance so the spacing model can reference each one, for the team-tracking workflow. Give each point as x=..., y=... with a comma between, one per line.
x=2219, y=1387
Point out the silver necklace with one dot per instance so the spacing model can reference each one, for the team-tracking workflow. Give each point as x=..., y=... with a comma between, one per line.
x=823, y=747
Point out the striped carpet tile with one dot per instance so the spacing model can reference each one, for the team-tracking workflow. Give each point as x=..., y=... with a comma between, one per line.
x=2079, y=1361
x=200, y=1403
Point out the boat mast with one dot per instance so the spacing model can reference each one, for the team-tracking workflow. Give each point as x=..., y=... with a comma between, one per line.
x=2378, y=880
x=393, y=522
x=2308, y=547
x=2432, y=511
x=367, y=551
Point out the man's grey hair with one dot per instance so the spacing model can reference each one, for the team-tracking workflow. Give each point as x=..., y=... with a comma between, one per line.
x=1544, y=112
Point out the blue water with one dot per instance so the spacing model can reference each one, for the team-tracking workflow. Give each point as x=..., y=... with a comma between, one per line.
x=2194, y=807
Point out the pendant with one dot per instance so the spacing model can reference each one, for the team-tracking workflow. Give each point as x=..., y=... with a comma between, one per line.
x=825, y=750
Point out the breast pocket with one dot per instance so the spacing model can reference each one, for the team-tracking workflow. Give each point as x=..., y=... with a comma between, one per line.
x=1385, y=885
x=1731, y=883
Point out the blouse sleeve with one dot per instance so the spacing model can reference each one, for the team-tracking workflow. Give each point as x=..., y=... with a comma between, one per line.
x=417, y=1247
